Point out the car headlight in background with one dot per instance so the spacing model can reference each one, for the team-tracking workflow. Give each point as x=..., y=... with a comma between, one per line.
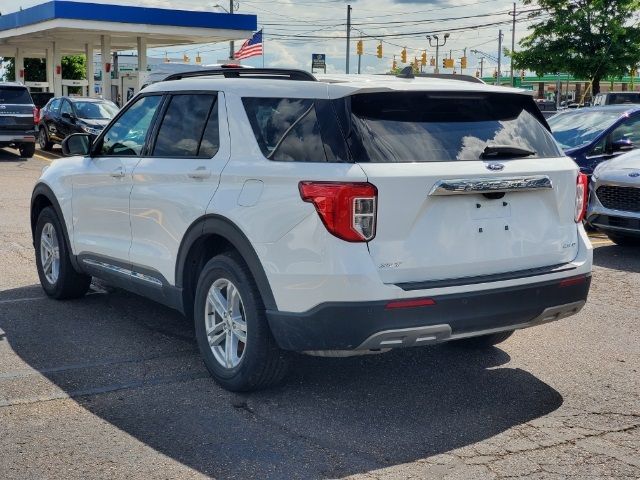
x=91, y=131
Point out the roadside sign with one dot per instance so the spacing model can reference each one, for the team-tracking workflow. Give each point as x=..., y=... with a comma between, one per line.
x=318, y=61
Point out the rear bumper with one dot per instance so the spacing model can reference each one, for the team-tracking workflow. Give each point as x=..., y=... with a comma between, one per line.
x=18, y=136
x=371, y=325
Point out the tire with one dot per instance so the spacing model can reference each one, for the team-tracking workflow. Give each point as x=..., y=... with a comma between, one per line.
x=43, y=139
x=254, y=364
x=58, y=278
x=27, y=150
x=624, y=240
x=483, y=341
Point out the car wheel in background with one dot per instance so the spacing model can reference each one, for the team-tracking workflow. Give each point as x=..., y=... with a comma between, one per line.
x=27, y=150
x=58, y=278
x=624, y=240
x=43, y=139
x=232, y=329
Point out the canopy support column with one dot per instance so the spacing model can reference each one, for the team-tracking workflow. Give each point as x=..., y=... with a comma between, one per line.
x=105, y=41
x=19, y=66
x=57, y=70
x=88, y=51
x=50, y=67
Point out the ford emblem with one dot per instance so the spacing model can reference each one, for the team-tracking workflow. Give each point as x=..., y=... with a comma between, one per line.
x=634, y=174
x=495, y=167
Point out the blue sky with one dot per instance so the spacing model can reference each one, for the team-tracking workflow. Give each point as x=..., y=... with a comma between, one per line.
x=292, y=28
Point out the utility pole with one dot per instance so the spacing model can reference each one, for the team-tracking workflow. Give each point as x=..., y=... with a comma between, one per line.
x=438, y=45
x=232, y=51
x=481, y=66
x=499, y=56
x=465, y=56
x=346, y=69
x=513, y=42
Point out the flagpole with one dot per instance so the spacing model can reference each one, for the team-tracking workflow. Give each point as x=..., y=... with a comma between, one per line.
x=263, y=43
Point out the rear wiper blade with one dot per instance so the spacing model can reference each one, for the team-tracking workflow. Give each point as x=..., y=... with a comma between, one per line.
x=505, y=151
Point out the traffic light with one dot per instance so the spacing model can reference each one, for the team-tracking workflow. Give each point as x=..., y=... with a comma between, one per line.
x=403, y=55
x=522, y=75
x=477, y=73
x=495, y=74
x=359, y=47
x=394, y=65
x=185, y=58
x=463, y=62
x=198, y=58
x=444, y=63
x=432, y=62
x=379, y=50
x=448, y=63
x=423, y=59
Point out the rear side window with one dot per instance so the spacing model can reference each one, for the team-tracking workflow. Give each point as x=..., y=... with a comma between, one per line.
x=15, y=95
x=296, y=129
x=54, y=105
x=434, y=127
x=189, y=127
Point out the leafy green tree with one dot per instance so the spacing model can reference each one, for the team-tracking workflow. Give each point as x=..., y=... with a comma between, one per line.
x=73, y=68
x=592, y=39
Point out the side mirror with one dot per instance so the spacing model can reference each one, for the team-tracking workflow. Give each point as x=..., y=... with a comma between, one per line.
x=76, y=144
x=622, y=145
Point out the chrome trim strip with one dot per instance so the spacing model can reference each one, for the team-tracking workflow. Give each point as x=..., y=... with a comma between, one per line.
x=123, y=271
x=465, y=186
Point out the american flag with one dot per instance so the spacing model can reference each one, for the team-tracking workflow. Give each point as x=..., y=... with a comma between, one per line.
x=251, y=47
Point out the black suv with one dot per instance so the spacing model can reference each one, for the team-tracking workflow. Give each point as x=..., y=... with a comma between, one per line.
x=17, y=118
x=63, y=116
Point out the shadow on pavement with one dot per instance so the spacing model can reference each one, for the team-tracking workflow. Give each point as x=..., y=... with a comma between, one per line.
x=615, y=257
x=134, y=364
x=10, y=155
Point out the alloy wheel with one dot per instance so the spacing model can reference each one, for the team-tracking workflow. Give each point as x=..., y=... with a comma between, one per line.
x=50, y=253
x=225, y=323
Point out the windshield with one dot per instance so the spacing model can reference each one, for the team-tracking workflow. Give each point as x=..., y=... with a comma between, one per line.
x=96, y=110
x=573, y=130
x=435, y=127
x=15, y=95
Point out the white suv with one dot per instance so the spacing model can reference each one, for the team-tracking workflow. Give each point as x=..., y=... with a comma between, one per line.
x=336, y=216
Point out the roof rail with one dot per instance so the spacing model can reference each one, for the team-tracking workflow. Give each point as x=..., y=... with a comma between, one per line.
x=268, y=73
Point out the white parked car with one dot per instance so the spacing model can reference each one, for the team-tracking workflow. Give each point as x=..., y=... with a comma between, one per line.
x=340, y=216
x=614, y=205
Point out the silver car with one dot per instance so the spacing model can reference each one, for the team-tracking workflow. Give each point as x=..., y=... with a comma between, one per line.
x=614, y=204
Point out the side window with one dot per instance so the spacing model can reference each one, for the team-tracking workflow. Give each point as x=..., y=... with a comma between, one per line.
x=286, y=129
x=66, y=108
x=600, y=148
x=54, y=105
x=127, y=136
x=629, y=130
x=189, y=127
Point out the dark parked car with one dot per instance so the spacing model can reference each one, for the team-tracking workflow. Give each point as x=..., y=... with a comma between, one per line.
x=17, y=118
x=63, y=116
x=592, y=135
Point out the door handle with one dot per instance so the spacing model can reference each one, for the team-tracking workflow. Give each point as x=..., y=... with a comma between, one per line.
x=118, y=173
x=200, y=172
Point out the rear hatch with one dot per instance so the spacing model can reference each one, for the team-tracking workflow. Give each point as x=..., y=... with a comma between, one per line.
x=469, y=184
x=16, y=109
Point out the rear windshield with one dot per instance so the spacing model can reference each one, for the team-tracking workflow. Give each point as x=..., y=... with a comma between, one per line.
x=622, y=98
x=15, y=95
x=397, y=127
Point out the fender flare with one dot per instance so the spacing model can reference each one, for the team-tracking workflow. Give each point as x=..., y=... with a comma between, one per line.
x=223, y=227
x=42, y=189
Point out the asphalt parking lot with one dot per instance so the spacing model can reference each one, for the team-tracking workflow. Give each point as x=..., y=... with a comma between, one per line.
x=111, y=386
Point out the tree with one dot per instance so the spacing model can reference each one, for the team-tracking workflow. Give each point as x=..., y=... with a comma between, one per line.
x=591, y=39
x=73, y=68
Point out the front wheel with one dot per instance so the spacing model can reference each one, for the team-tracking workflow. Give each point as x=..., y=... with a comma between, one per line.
x=27, y=150
x=483, y=341
x=58, y=278
x=232, y=329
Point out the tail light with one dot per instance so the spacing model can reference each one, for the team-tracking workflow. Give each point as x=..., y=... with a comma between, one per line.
x=348, y=210
x=36, y=115
x=582, y=193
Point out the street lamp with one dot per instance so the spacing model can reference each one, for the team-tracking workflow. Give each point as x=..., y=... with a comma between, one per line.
x=232, y=5
x=438, y=45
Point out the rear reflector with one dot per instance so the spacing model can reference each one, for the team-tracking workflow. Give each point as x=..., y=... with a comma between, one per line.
x=416, y=302
x=569, y=282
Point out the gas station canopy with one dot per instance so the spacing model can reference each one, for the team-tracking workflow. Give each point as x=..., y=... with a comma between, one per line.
x=59, y=27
